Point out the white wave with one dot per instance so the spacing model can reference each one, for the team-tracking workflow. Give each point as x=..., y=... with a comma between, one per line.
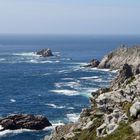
x=9, y=132
x=47, y=61
x=2, y=59
x=13, y=100
x=86, y=92
x=66, y=92
x=99, y=80
x=45, y=74
x=54, y=124
x=57, y=124
x=1, y=128
x=106, y=70
x=67, y=79
x=31, y=54
x=73, y=117
x=55, y=106
x=70, y=108
x=68, y=84
x=32, y=61
x=37, y=61
x=114, y=71
x=86, y=78
x=63, y=71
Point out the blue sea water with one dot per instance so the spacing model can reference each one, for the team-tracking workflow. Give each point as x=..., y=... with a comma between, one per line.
x=56, y=87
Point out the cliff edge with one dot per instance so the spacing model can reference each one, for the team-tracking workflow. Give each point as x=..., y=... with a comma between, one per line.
x=114, y=113
x=124, y=54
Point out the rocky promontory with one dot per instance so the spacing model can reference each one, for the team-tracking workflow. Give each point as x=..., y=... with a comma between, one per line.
x=124, y=54
x=114, y=113
x=24, y=121
x=45, y=52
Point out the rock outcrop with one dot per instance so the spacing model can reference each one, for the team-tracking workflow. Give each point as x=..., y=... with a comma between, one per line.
x=45, y=52
x=119, y=57
x=94, y=63
x=115, y=111
x=24, y=121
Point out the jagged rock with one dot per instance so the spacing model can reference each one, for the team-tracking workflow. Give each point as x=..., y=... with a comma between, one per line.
x=85, y=112
x=94, y=63
x=24, y=121
x=45, y=53
x=135, y=109
x=119, y=57
x=136, y=70
x=136, y=127
x=111, y=105
x=124, y=73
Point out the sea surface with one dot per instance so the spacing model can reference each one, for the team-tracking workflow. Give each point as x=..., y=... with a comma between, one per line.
x=56, y=87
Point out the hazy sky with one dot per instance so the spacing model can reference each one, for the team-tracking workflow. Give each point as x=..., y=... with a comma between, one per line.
x=70, y=16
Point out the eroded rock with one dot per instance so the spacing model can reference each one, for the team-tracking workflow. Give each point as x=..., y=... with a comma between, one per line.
x=24, y=121
x=45, y=52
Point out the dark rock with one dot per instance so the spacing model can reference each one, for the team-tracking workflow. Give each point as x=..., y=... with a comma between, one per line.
x=124, y=73
x=136, y=70
x=24, y=121
x=45, y=53
x=94, y=63
x=85, y=112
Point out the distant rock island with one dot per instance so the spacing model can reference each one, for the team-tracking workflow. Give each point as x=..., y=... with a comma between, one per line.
x=24, y=121
x=114, y=113
x=45, y=52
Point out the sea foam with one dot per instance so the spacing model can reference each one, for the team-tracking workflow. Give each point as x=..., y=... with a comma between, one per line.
x=66, y=92
x=73, y=117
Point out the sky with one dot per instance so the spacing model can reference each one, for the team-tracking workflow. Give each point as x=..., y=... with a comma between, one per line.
x=118, y=17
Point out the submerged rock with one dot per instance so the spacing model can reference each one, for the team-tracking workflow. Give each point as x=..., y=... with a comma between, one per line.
x=24, y=121
x=45, y=52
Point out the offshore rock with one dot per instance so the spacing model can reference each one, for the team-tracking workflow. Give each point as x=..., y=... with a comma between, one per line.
x=24, y=121
x=94, y=63
x=45, y=53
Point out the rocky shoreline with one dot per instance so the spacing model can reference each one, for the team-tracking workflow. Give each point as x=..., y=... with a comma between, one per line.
x=24, y=121
x=114, y=113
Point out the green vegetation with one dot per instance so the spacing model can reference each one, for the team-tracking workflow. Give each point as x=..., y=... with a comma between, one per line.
x=124, y=132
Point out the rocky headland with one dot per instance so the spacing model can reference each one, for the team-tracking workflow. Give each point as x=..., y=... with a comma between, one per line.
x=114, y=113
x=24, y=121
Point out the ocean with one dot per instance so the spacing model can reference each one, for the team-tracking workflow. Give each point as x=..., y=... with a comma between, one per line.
x=56, y=87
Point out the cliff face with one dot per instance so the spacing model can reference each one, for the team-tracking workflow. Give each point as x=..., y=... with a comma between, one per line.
x=122, y=55
x=114, y=113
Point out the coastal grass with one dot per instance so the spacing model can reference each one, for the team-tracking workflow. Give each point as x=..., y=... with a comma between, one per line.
x=124, y=132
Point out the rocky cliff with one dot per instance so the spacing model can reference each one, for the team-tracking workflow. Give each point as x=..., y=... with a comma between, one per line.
x=114, y=113
x=124, y=54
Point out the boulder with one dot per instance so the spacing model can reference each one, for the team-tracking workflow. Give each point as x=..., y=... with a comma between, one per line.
x=136, y=127
x=24, y=121
x=45, y=52
x=135, y=109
